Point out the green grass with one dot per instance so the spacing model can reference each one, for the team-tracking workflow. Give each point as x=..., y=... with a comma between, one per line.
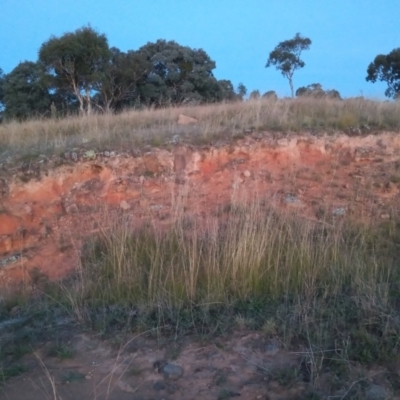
x=10, y=372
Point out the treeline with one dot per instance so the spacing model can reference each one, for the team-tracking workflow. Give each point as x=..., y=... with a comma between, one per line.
x=79, y=72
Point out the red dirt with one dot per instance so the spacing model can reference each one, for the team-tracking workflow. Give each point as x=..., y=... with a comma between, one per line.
x=43, y=221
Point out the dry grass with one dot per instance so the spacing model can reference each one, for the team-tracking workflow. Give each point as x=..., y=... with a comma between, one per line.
x=322, y=283
x=155, y=127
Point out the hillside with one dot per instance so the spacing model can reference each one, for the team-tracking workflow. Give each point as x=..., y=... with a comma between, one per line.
x=263, y=234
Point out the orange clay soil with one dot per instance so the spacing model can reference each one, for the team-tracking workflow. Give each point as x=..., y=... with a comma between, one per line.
x=47, y=212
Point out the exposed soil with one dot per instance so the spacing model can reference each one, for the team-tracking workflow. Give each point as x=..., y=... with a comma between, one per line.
x=48, y=208
x=247, y=366
x=46, y=211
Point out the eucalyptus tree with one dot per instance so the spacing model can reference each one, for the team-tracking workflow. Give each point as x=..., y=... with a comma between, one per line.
x=178, y=75
x=75, y=62
x=386, y=68
x=25, y=92
x=286, y=57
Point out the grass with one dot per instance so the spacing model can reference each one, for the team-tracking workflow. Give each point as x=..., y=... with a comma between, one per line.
x=328, y=286
x=33, y=140
x=331, y=287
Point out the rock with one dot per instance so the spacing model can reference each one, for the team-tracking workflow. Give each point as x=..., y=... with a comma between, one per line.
x=175, y=139
x=124, y=205
x=74, y=156
x=247, y=174
x=340, y=211
x=171, y=371
x=272, y=348
x=185, y=120
x=376, y=392
x=90, y=155
x=72, y=209
x=159, y=385
x=385, y=216
x=293, y=201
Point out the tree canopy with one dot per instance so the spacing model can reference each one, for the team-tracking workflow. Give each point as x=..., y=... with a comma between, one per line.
x=386, y=68
x=315, y=90
x=25, y=92
x=286, y=57
x=178, y=75
x=78, y=71
x=76, y=62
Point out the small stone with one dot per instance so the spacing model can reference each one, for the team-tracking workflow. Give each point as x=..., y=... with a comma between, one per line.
x=106, y=154
x=87, y=377
x=141, y=179
x=72, y=209
x=340, y=211
x=159, y=385
x=247, y=174
x=385, y=216
x=171, y=371
x=124, y=205
x=271, y=348
x=90, y=155
x=74, y=156
x=376, y=392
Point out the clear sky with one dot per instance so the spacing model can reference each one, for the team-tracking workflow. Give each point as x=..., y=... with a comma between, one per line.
x=238, y=34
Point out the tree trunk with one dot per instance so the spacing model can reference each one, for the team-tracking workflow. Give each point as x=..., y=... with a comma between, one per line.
x=89, y=104
x=291, y=86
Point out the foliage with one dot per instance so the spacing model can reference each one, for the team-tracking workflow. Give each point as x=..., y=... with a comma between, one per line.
x=270, y=94
x=386, y=68
x=178, y=75
x=25, y=92
x=241, y=91
x=255, y=94
x=119, y=86
x=316, y=90
x=286, y=57
x=75, y=63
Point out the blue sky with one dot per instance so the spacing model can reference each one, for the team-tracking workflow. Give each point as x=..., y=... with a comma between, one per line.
x=238, y=34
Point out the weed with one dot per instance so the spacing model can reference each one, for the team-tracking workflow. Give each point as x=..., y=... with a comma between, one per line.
x=10, y=372
x=63, y=351
x=72, y=376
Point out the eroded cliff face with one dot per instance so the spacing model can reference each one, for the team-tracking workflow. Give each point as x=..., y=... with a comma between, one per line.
x=48, y=208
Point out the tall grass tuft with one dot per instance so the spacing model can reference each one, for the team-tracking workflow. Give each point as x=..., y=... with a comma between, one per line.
x=321, y=283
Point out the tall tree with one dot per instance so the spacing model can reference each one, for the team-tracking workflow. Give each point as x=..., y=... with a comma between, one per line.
x=286, y=57
x=76, y=62
x=386, y=68
x=241, y=91
x=177, y=74
x=25, y=93
x=119, y=86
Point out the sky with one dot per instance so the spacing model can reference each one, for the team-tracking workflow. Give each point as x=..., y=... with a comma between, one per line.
x=238, y=35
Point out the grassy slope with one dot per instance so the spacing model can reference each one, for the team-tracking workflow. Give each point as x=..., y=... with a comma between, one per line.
x=216, y=122
x=330, y=287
